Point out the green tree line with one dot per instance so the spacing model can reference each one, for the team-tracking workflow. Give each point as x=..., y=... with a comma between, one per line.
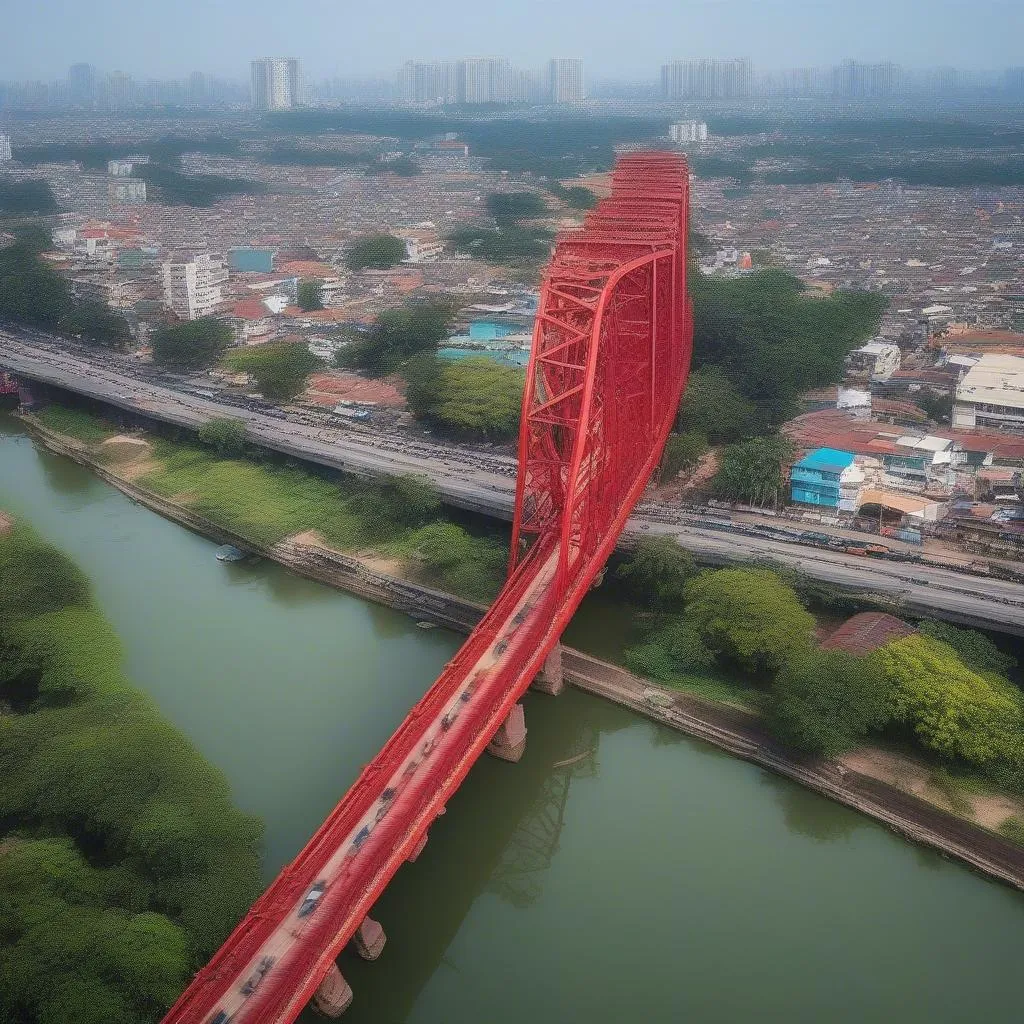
x=124, y=862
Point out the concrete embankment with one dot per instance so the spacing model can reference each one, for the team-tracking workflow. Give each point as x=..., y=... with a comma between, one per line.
x=728, y=728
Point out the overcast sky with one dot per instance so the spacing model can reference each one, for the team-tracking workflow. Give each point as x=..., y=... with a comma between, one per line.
x=618, y=38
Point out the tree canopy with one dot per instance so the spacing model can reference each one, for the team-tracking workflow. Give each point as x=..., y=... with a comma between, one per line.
x=192, y=345
x=515, y=206
x=714, y=408
x=510, y=245
x=26, y=197
x=226, y=435
x=113, y=825
x=311, y=294
x=377, y=252
x=655, y=573
x=280, y=369
x=754, y=471
x=474, y=399
x=748, y=617
x=398, y=334
x=682, y=451
x=824, y=703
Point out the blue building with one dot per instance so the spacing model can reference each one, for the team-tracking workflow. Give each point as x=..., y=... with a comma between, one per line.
x=828, y=478
x=244, y=259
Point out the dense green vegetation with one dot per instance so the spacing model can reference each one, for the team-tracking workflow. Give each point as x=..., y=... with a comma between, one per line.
x=75, y=423
x=176, y=189
x=26, y=197
x=401, y=166
x=226, y=435
x=397, y=335
x=682, y=451
x=515, y=206
x=191, y=345
x=280, y=369
x=93, y=156
x=377, y=252
x=755, y=471
x=770, y=342
x=474, y=399
x=32, y=292
x=577, y=197
x=509, y=245
x=311, y=294
x=124, y=863
x=942, y=690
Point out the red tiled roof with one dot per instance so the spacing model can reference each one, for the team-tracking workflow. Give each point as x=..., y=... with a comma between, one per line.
x=866, y=632
x=250, y=309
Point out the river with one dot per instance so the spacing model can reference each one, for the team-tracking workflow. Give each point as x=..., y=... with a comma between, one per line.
x=654, y=880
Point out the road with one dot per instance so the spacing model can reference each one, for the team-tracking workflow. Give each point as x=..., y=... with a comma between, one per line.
x=483, y=481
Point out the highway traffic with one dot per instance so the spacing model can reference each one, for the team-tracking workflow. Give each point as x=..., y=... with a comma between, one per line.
x=484, y=481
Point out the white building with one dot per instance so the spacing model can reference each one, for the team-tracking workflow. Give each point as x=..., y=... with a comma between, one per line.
x=876, y=359
x=991, y=394
x=682, y=132
x=5, y=148
x=565, y=80
x=276, y=83
x=192, y=285
x=120, y=168
x=127, y=190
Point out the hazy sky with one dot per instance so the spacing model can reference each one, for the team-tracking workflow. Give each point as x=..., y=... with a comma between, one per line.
x=618, y=38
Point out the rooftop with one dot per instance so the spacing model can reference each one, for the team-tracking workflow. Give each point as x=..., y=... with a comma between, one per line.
x=994, y=379
x=827, y=459
x=867, y=632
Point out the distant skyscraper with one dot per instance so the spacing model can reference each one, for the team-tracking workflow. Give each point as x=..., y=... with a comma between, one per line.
x=5, y=148
x=436, y=82
x=81, y=82
x=706, y=79
x=120, y=90
x=485, y=80
x=276, y=83
x=857, y=80
x=565, y=80
x=197, y=92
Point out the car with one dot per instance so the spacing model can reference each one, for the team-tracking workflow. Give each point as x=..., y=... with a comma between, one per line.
x=313, y=897
x=255, y=979
x=361, y=836
x=222, y=1018
x=500, y=647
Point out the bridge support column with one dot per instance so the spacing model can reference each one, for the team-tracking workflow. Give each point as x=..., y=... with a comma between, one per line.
x=369, y=939
x=334, y=996
x=509, y=741
x=551, y=679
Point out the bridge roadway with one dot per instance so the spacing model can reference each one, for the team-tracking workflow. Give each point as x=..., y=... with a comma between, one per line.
x=485, y=483
x=263, y=973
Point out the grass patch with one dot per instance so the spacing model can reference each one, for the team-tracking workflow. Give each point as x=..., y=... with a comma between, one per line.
x=955, y=791
x=1013, y=829
x=75, y=423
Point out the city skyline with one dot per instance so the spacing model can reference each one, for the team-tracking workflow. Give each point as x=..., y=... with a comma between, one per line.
x=774, y=35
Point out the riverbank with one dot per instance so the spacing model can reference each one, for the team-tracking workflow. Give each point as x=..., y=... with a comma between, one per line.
x=730, y=729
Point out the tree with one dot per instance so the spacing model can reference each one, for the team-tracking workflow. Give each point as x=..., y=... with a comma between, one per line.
x=655, y=573
x=377, y=252
x=311, y=295
x=226, y=435
x=713, y=408
x=36, y=578
x=25, y=197
x=281, y=369
x=470, y=566
x=953, y=710
x=824, y=703
x=510, y=245
x=937, y=406
x=748, y=617
x=754, y=471
x=976, y=650
x=398, y=334
x=474, y=399
x=93, y=321
x=194, y=345
x=682, y=451
x=515, y=206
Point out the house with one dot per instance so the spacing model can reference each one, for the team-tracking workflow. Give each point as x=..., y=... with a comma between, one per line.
x=876, y=359
x=251, y=322
x=991, y=394
x=828, y=478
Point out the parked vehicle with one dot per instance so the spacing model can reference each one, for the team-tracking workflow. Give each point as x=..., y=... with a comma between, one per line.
x=255, y=979
x=312, y=900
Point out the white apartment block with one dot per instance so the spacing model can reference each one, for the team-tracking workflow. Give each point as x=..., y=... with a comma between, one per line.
x=5, y=148
x=276, y=83
x=565, y=80
x=192, y=285
x=688, y=131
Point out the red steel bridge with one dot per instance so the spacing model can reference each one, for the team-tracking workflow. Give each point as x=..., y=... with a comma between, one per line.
x=611, y=352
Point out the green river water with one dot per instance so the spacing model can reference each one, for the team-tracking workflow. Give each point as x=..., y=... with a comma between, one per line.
x=655, y=880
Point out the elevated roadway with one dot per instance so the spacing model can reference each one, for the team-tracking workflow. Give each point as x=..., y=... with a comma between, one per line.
x=485, y=483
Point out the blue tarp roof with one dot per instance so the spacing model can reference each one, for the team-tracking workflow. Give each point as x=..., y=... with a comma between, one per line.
x=827, y=459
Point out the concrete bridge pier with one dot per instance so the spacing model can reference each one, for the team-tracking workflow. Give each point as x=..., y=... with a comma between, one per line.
x=509, y=741
x=334, y=996
x=551, y=679
x=418, y=848
x=369, y=939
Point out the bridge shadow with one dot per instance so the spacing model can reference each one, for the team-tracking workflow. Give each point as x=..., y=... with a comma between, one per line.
x=498, y=839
